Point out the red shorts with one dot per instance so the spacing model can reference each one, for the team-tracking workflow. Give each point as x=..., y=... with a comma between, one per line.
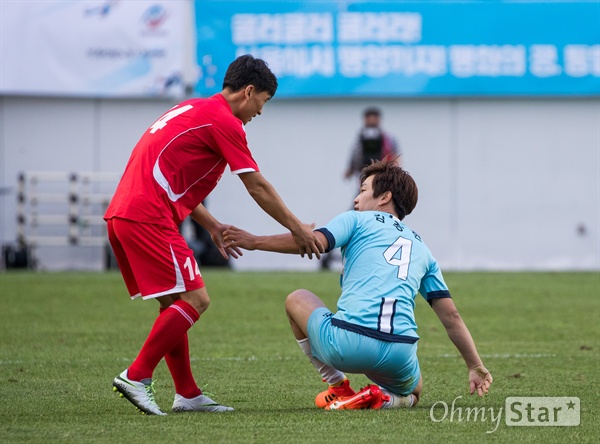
x=154, y=260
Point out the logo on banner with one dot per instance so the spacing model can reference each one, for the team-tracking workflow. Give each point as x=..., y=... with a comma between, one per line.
x=154, y=17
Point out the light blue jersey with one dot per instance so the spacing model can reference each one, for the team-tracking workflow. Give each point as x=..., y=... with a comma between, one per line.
x=385, y=265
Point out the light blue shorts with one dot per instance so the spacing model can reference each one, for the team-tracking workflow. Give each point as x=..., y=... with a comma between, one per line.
x=391, y=365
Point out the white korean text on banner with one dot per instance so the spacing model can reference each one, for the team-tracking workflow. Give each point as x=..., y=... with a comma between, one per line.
x=105, y=48
x=400, y=48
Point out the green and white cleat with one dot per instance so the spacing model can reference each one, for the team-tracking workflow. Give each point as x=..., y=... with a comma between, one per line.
x=200, y=403
x=140, y=394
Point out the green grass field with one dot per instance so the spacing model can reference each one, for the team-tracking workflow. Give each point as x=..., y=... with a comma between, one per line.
x=65, y=336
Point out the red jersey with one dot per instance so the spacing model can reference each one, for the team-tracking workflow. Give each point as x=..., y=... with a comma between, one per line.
x=179, y=161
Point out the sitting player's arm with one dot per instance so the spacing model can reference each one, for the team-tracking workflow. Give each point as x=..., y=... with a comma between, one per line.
x=279, y=243
x=215, y=228
x=479, y=377
x=269, y=200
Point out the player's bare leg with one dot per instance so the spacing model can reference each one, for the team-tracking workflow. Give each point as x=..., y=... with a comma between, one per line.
x=299, y=305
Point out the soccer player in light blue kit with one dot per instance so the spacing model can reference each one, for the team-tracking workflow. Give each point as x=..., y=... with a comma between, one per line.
x=374, y=330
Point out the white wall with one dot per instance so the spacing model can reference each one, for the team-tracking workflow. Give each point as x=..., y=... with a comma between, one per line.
x=505, y=184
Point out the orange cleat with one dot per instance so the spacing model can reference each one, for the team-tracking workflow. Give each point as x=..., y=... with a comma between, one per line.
x=333, y=393
x=370, y=397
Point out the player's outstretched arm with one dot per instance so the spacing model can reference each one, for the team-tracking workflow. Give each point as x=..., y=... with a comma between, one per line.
x=269, y=200
x=279, y=243
x=480, y=378
x=216, y=229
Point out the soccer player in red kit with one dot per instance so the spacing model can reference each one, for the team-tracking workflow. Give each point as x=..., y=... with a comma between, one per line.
x=174, y=166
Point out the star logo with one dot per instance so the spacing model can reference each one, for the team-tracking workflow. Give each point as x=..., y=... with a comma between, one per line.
x=571, y=405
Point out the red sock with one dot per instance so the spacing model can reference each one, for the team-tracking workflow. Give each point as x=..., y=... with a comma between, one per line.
x=178, y=361
x=168, y=330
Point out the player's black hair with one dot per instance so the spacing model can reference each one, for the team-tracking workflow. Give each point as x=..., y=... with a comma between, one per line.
x=389, y=176
x=247, y=70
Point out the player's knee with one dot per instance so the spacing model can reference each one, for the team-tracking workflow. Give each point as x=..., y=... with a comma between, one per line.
x=197, y=299
x=202, y=303
x=291, y=300
x=294, y=299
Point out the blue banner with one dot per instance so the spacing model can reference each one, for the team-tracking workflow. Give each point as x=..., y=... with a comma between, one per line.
x=397, y=48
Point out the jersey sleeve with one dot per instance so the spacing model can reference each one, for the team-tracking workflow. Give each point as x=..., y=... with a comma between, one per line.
x=230, y=137
x=433, y=285
x=339, y=229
